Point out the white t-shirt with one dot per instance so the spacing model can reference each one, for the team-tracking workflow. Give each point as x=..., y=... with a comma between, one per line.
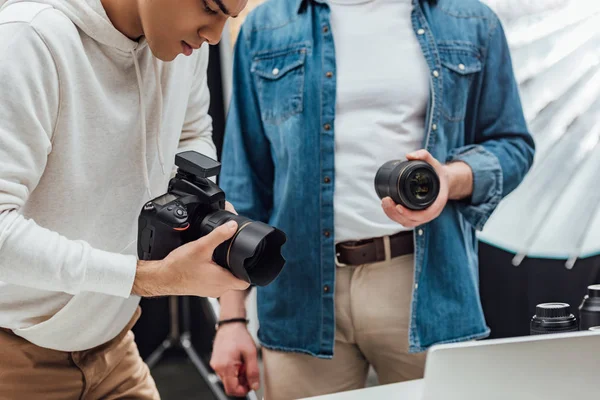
x=382, y=93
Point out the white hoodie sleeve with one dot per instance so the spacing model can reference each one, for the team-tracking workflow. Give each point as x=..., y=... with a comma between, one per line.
x=31, y=255
x=197, y=129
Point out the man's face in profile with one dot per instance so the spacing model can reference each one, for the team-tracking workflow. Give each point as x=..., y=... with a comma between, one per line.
x=179, y=27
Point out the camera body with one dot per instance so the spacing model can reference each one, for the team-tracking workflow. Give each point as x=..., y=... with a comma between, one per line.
x=165, y=222
x=192, y=208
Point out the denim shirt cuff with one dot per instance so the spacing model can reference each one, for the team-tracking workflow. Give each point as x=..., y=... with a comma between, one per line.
x=487, y=183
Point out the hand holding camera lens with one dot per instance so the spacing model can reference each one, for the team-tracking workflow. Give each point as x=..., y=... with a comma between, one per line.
x=413, y=192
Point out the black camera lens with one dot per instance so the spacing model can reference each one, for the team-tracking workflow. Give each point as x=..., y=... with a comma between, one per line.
x=413, y=184
x=589, y=310
x=253, y=254
x=553, y=318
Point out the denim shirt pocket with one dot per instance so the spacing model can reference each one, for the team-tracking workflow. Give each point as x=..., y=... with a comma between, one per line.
x=461, y=63
x=279, y=79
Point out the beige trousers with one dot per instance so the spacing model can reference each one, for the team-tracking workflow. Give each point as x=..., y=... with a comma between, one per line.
x=372, y=305
x=113, y=370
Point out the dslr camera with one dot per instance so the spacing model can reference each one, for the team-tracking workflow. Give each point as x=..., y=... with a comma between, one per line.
x=192, y=208
x=413, y=184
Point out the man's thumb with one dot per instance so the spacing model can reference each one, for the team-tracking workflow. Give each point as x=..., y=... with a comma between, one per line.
x=220, y=234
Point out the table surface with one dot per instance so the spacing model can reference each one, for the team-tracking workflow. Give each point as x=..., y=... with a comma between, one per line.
x=411, y=390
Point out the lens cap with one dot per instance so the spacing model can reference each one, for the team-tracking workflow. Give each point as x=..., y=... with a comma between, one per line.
x=553, y=318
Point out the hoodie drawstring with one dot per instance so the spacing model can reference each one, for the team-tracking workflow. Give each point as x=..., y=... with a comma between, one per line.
x=160, y=120
x=143, y=120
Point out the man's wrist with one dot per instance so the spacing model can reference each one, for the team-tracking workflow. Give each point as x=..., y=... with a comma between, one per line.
x=232, y=313
x=232, y=310
x=233, y=304
x=460, y=180
x=231, y=321
x=149, y=280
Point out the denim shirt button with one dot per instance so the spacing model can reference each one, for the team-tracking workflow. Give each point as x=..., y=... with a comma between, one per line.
x=326, y=289
x=420, y=232
x=461, y=67
x=327, y=234
x=436, y=73
x=434, y=127
x=325, y=29
x=327, y=179
x=329, y=74
x=421, y=31
x=416, y=286
x=327, y=127
x=275, y=71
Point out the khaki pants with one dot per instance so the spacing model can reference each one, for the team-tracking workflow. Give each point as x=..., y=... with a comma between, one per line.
x=113, y=370
x=372, y=305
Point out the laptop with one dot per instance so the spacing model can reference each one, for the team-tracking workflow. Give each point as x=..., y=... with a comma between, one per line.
x=549, y=367
x=545, y=367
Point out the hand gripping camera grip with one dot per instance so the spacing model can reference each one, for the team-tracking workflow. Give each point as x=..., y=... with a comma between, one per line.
x=156, y=239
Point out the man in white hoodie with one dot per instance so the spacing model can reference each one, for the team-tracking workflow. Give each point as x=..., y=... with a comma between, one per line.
x=95, y=102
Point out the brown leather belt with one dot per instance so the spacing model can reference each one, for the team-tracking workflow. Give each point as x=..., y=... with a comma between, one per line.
x=373, y=250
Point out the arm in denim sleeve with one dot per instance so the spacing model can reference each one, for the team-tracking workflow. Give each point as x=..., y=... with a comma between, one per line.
x=247, y=172
x=502, y=150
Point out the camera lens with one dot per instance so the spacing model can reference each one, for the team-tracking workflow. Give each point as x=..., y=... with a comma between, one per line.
x=553, y=318
x=413, y=184
x=257, y=257
x=589, y=310
x=253, y=254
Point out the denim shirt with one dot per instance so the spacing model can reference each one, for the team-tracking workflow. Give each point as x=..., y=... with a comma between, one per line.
x=278, y=162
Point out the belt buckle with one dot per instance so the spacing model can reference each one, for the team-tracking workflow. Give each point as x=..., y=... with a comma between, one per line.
x=337, y=261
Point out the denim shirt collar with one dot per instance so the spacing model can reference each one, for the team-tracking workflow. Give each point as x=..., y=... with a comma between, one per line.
x=300, y=3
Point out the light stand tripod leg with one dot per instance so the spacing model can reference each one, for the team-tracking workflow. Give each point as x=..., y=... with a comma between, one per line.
x=153, y=358
x=180, y=337
x=173, y=338
x=210, y=378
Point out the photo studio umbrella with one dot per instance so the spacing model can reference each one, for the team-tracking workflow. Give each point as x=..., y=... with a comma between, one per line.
x=553, y=45
x=526, y=22
x=531, y=60
x=554, y=213
x=552, y=217
x=552, y=83
x=511, y=10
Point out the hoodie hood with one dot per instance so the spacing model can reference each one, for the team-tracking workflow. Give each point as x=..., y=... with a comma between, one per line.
x=90, y=17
